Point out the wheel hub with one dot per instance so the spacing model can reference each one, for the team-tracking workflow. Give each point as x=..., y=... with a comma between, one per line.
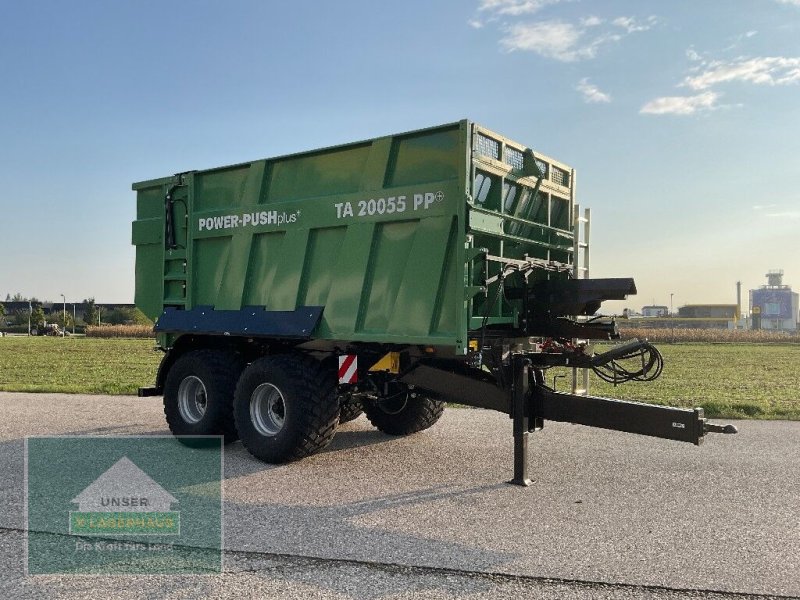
x=192, y=399
x=267, y=410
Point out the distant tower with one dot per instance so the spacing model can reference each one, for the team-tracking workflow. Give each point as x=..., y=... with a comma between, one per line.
x=775, y=278
x=775, y=305
x=738, y=299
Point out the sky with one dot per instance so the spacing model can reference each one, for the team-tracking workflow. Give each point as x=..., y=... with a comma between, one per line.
x=681, y=118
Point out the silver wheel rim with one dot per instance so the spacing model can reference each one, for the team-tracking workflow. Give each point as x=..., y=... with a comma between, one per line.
x=267, y=409
x=192, y=399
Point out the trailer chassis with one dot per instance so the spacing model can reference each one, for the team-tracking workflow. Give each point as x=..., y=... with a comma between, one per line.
x=529, y=402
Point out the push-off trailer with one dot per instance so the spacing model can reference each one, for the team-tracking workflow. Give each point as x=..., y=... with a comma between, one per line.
x=391, y=276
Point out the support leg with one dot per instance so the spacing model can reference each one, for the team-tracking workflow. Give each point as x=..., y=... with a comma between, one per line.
x=520, y=458
x=519, y=413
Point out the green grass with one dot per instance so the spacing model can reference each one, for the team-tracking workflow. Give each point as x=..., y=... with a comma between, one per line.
x=760, y=381
x=77, y=364
x=728, y=380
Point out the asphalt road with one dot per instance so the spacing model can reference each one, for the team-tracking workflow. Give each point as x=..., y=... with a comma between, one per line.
x=429, y=516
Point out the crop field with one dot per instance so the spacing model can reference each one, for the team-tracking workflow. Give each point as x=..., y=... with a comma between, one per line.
x=728, y=380
x=121, y=331
x=713, y=336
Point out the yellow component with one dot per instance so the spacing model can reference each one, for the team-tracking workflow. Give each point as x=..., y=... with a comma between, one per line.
x=390, y=363
x=473, y=345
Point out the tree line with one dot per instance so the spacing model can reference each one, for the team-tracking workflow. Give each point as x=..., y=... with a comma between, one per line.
x=91, y=315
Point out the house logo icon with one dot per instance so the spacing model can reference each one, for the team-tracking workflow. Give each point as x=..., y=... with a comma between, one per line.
x=124, y=500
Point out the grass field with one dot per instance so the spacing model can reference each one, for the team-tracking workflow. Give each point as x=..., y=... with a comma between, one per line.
x=728, y=380
x=77, y=364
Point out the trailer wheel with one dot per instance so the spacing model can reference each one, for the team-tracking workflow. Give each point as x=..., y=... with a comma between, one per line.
x=286, y=407
x=349, y=408
x=403, y=412
x=198, y=394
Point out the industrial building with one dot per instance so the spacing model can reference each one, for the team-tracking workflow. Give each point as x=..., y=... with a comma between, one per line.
x=775, y=305
x=709, y=311
x=655, y=311
x=708, y=316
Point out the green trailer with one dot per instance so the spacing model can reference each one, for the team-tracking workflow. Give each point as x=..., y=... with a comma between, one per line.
x=391, y=276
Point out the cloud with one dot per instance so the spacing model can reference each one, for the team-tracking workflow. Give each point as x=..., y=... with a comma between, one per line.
x=778, y=211
x=591, y=21
x=566, y=41
x=706, y=75
x=792, y=2
x=515, y=7
x=630, y=24
x=552, y=39
x=591, y=93
x=559, y=40
x=768, y=70
x=681, y=105
x=789, y=214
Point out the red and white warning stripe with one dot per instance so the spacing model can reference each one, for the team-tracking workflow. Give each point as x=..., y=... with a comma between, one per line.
x=348, y=368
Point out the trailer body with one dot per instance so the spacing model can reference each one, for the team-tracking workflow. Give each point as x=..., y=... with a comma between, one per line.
x=430, y=263
x=381, y=233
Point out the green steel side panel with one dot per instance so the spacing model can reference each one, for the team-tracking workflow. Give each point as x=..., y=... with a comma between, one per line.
x=148, y=294
x=416, y=295
x=342, y=307
x=376, y=232
x=148, y=231
x=265, y=256
x=425, y=157
x=324, y=246
x=286, y=285
x=449, y=300
x=388, y=260
x=232, y=288
x=317, y=175
x=212, y=254
x=148, y=237
x=220, y=187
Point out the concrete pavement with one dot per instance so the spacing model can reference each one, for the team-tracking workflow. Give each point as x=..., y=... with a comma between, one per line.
x=609, y=514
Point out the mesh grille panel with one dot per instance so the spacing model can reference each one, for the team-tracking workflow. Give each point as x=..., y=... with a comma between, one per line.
x=488, y=147
x=560, y=176
x=514, y=158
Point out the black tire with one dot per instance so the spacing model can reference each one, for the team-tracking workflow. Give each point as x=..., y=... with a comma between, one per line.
x=349, y=408
x=286, y=407
x=403, y=413
x=211, y=374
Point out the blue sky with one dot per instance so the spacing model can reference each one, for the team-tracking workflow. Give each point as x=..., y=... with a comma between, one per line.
x=681, y=118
